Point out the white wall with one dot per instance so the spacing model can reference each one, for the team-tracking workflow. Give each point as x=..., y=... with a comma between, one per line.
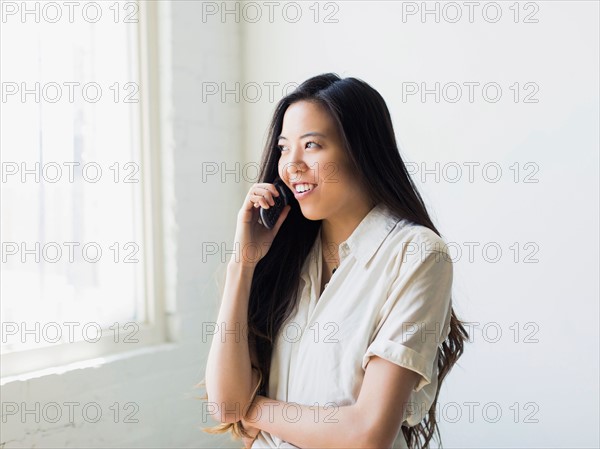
x=553, y=380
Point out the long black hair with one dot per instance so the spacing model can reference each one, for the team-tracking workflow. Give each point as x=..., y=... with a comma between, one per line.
x=365, y=126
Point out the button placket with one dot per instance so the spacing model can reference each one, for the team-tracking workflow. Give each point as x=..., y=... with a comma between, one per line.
x=343, y=251
x=302, y=320
x=316, y=300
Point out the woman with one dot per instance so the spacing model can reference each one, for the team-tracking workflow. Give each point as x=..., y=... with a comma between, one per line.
x=346, y=301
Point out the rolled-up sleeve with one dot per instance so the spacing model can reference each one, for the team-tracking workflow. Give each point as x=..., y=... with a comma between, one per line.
x=415, y=317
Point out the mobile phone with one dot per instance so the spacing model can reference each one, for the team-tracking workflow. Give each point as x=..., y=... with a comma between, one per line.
x=269, y=216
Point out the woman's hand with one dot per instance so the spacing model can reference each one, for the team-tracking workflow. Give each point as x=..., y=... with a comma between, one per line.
x=251, y=414
x=253, y=240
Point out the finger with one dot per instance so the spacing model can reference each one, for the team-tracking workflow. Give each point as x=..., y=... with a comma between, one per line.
x=274, y=190
x=255, y=201
x=267, y=197
x=251, y=202
x=262, y=201
x=270, y=190
x=262, y=196
x=253, y=197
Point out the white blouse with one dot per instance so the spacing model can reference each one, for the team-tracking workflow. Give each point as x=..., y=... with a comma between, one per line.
x=390, y=297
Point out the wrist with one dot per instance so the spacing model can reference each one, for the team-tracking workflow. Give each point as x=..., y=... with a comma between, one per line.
x=240, y=268
x=252, y=415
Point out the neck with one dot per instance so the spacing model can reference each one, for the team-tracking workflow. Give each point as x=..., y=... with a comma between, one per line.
x=337, y=228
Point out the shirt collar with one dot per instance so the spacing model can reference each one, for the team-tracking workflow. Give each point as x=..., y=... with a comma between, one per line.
x=366, y=238
x=370, y=233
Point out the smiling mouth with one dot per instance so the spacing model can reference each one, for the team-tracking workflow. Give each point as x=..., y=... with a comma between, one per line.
x=304, y=187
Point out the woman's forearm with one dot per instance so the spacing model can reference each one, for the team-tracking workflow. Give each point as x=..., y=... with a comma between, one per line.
x=228, y=368
x=318, y=426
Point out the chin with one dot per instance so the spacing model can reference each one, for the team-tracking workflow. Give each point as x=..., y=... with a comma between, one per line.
x=311, y=214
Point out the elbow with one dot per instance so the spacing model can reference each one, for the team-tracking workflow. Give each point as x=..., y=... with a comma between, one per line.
x=225, y=404
x=226, y=417
x=224, y=410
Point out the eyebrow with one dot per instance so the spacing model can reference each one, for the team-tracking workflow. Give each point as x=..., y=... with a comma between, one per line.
x=306, y=135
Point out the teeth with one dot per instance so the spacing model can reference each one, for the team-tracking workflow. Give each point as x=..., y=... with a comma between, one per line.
x=303, y=187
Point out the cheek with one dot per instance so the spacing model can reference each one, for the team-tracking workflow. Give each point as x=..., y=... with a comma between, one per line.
x=338, y=184
x=334, y=172
x=341, y=177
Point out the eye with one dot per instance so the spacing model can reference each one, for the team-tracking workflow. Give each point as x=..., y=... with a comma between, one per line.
x=283, y=148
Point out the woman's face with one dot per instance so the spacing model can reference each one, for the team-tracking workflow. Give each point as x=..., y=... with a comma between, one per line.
x=311, y=152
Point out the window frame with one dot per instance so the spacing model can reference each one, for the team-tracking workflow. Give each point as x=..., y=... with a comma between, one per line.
x=153, y=330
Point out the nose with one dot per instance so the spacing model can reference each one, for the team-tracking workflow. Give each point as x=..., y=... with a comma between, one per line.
x=294, y=166
x=294, y=170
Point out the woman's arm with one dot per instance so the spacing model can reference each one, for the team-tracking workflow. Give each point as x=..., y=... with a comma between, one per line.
x=306, y=426
x=373, y=421
x=228, y=371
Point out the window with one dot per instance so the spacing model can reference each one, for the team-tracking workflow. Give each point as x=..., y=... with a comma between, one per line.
x=78, y=207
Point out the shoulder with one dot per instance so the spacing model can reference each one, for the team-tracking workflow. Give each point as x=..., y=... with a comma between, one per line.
x=410, y=237
x=411, y=244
